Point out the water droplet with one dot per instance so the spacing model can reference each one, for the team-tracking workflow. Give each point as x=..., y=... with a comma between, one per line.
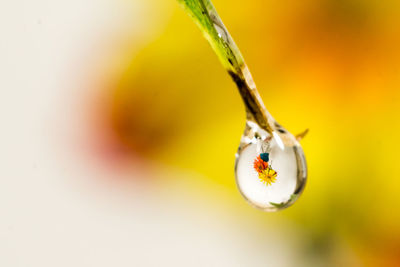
x=270, y=169
x=270, y=166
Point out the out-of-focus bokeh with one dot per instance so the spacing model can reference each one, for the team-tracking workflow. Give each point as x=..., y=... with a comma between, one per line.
x=119, y=129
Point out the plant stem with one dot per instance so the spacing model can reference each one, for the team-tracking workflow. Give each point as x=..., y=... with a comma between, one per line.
x=206, y=17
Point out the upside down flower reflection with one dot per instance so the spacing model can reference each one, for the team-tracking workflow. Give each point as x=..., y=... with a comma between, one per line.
x=266, y=174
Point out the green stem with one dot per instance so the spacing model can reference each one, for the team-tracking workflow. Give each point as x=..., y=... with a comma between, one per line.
x=206, y=17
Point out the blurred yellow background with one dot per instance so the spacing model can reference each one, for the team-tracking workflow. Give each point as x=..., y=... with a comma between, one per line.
x=129, y=107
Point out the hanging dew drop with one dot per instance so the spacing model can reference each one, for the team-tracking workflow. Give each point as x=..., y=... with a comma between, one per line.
x=270, y=167
x=269, y=176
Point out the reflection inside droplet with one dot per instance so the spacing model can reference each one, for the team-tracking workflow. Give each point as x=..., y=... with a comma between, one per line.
x=270, y=169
